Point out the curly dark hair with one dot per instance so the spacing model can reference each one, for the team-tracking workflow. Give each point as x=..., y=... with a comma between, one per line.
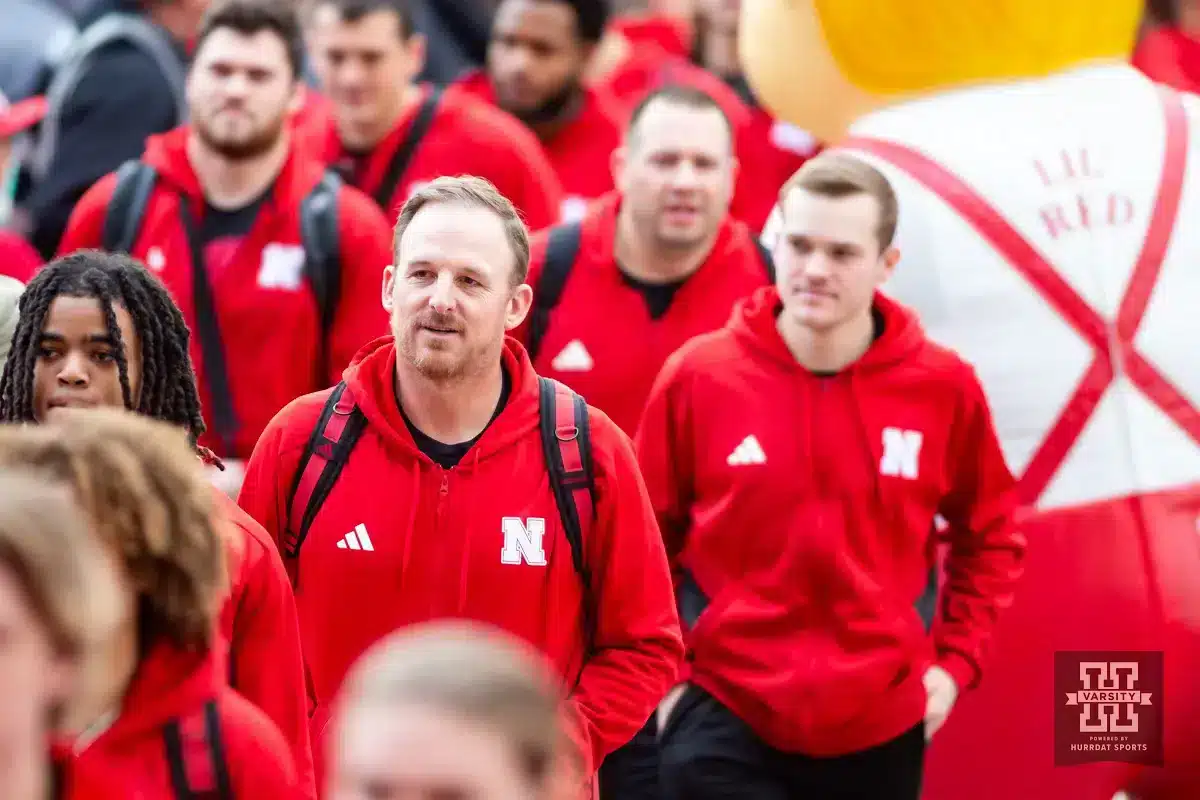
x=148, y=501
x=168, y=391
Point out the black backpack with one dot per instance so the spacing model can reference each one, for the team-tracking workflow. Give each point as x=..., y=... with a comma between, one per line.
x=566, y=446
x=322, y=267
x=562, y=248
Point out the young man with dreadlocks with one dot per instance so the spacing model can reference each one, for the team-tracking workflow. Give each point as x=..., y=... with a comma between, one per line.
x=99, y=329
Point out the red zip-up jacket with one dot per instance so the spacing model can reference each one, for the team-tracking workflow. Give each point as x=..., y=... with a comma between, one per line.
x=128, y=759
x=436, y=537
x=614, y=367
x=803, y=507
x=258, y=621
x=466, y=137
x=580, y=151
x=268, y=314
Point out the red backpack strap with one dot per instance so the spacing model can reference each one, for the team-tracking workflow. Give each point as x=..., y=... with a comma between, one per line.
x=196, y=756
x=566, y=445
x=337, y=430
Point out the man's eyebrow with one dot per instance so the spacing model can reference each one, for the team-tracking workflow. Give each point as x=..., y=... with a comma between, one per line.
x=96, y=338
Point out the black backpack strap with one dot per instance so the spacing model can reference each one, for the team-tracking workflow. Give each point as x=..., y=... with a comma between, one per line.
x=123, y=217
x=337, y=430
x=321, y=239
x=407, y=149
x=768, y=261
x=566, y=444
x=562, y=248
x=196, y=756
x=208, y=332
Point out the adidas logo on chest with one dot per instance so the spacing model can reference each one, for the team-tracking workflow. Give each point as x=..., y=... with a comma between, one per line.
x=749, y=451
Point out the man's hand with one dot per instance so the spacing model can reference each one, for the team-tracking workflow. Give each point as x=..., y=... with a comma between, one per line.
x=941, y=692
x=668, y=705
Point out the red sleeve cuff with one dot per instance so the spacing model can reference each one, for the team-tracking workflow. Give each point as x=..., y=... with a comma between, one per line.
x=965, y=673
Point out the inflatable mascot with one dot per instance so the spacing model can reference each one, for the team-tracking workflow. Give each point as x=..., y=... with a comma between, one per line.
x=1050, y=233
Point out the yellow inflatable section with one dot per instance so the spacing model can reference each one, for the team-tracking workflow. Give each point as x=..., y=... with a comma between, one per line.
x=821, y=64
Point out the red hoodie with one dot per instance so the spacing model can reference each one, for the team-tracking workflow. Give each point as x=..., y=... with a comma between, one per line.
x=259, y=622
x=268, y=318
x=580, y=151
x=437, y=537
x=612, y=368
x=802, y=507
x=128, y=759
x=18, y=259
x=466, y=137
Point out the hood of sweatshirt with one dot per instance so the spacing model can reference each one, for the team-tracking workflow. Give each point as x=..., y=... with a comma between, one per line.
x=753, y=323
x=372, y=379
x=167, y=153
x=169, y=682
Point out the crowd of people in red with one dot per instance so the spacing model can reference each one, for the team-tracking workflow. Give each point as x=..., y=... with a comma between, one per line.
x=502, y=348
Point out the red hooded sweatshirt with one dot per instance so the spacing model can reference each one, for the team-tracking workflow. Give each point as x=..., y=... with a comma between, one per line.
x=268, y=317
x=615, y=369
x=259, y=623
x=18, y=259
x=802, y=507
x=128, y=759
x=436, y=539
x=466, y=137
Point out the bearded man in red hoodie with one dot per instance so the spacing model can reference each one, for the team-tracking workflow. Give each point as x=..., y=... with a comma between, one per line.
x=256, y=244
x=798, y=461
x=444, y=479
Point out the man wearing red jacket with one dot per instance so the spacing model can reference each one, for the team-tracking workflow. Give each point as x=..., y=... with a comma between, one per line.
x=98, y=329
x=661, y=258
x=390, y=136
x=473, y=490
x=232, y=196
x=536, y=64
x=154, y=718
x=797, y=461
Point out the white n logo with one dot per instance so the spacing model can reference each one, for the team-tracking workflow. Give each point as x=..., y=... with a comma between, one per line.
x=901, y=453
x=523, y=541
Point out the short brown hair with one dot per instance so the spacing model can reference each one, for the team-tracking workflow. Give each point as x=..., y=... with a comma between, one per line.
x=48, y=547
x=470, y=191
x=474, y=672
x=249, y=17
x=835, y=174
x=147, y=498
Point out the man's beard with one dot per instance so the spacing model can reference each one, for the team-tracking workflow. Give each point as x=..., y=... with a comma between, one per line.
x=550, y=109
x=440, y=366
x=246, y=149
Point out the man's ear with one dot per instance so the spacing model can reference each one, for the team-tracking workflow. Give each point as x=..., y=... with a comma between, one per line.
x=389, y=284
x=518, y=306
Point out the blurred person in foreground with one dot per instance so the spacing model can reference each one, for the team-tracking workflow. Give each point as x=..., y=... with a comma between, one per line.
x=58, y=602
x=99, y=329
x=161, y=722
x=451, y=710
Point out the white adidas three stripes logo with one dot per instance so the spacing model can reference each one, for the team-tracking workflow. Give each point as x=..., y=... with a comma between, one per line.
x=356, y=539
